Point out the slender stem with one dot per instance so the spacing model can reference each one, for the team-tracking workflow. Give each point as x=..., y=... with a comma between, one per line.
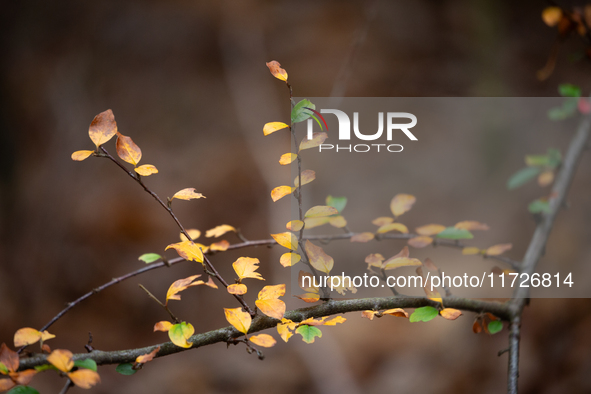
x=67, y=386
x=152, y=296
x=513, y=365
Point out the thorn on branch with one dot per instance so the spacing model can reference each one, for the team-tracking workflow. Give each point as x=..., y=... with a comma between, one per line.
x=89, y=348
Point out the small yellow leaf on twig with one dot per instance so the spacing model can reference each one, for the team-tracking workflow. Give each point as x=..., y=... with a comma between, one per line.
x=80, y=155
x=127, y=150
x=272, y=127
x=146, y=170
x=187, y=194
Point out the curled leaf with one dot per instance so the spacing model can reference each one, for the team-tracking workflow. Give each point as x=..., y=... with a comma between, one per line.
x=450, y=313
x=276, y=70
x=393, y=226
x=188, y=250
x=144, y=358
x=180, y=285
x=163, y=326
x=179, y=333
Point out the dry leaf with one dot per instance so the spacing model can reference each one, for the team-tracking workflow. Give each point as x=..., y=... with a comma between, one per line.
x=219, y=231
x=317, y=140
x=281, y=191
x=187, y=194
x=362, y=237
x=84, y=378
x=144, y=358
x=420, y=241
x=264, y=340
x=127, y=150
x=237, y=289
x=450, y=313
x=307, y=177
x=245, y=267
x=272, y=127
x=240, y=320
x=61, y=359
x=188, y=250
x=146, y=170
x=180, y=285
x=402, y=203
x=318, y=258
x=287, y=158
x=80, y=155
x=276, y=70
x=102, y=128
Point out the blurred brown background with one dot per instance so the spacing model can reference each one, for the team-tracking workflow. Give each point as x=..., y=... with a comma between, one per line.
x=187, y=80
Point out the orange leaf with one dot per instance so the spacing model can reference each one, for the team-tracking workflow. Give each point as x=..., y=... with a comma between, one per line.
x=471, y=225
x=450, y=313
x=219, y=246
x=391, y=227
x=61, y=359
x=80, y=155
x=264, y=340
x=552, y=15
x=188, y=250
x=317, y=139
x=219, y=231
x=476, y=327
x=374, y=260
x=399, y=312
x=102, y=128
x=237, y=289
x=281, y=191
x=28, y=336
x=6, y=384
x=84, y=378
x=294, y=225
x=362, y=237
x=498, y=249
x=9, y=358
x=127, y=150
x=309, y=297
x=287, y=158
x=245, y=267
x=146, y=170
x=272, y=127
x=368, y=314
x=180, y=285
x=318, y=258
x=276, y=70
x=187, y=194
x=546, y=178
x=268, y=301
x=307, y=177
x=289, y=259
x=321, y=211
x=162, y=326
x=401, y=203
x=193, y=233
x=287, y=240
x=240, y=320
x=272, y=292
x=420, y=241
x=383, y=220
x=430, y=229
x=24, y=377
x=144, y=358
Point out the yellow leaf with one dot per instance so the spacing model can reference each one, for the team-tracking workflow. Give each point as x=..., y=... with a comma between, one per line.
x=294, y=225
x=219, y=231
x=240, y=320
x=146, y=170
x=162, y=326
x=309, y=297
x=219, y=246
x=393, y=226
x=180, y=285
x=287, y=240
x=420, y=241
x=28, y=336
x=307, y=177
x=245, y=267
x=368, y=314
x=470, y=250
x=430, y=229
x=471, y=225
x=318, y=258
x=80, y=155
x=210, y=283
x=317, y=139
x=498, y=249
x=323, y=321
x=61, y=359
x=281, y=191
x=237, y=289
x=362, y=237
x=127, y=150
x=102, y=128
x=84, y=378
x=399, y=312
x=188, y=250
x=187, y=194
x=391, y=263
x=193, y=233
x=272, y=127
x=287, y=158
x=272, y=292
x=289, y=259
x=276, y=70
x=552, y=15
x=450, y=313
x=144, y=358
x=546, y=178
x=337, y=221
x=264, y=340
x=374, y=260
x=334, y=321
x=320, y=211
x=268, y=301
x=179, y=333
x=284, y=330
x=382, y=221
x=315, y=222
x=401, y=203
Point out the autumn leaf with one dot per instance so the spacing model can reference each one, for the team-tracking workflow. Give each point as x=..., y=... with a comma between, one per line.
x=237, y=289
x=315, y=222
x=320, y=211
x=188, y=250
x=264, y=340
x=498, y=249
x=162, y=326
x=269, y=303
x=61, y=359
x=309, y=333
x=362, y=237
x=402, y=259
x=307, y=177
x=144, y=358
x=287, y=158
x=179, y=333
x=28, y=336
x=317, y=140
x=272, y=127
x=276, y=70
x=180, y=285
x=9, y=358
x=337, y=221
x=146, y=170
x=471, y=225
x=401, y=203
x=398, y=312
x=318, y=258
x=368, y=314
x=281, y=191
x=80, y=155
x=102, y=128
x=127, y=150
x=430, y=229
x=245, y=267
x=220, y=246
x=84, y=378
x=219, y=231
x=420, y=241
x=374, y=260
x=187, y=194
x=193, y=233
x=450, y=313
x=393, y=226
x=546, y=178
x=552, y=15
x=240, y=320
x=289, y=259
x=470, y=250
x=382, y=221
x=287, y=240
x=285, y=328
x=294, y=225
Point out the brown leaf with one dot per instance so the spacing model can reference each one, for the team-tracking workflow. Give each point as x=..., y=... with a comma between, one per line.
x=362, y=237
x=144, y=358
x=102, y=128
x=127, y=150
x=9, y=358
x=317, y=140
x=450, y=313
x=420, y=241
x=307, y=177
x=398, y=312
x=276, y=70
x=498, y=249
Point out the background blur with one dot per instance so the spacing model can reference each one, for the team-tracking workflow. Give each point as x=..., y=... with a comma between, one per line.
x=187, y=81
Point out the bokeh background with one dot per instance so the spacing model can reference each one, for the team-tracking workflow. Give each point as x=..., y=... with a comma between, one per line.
x=187, y=80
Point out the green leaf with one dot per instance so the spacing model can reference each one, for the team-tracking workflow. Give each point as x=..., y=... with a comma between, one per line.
x=568, y=109
x=539, y=206
x=424, y=313
x=125, y=369
x=88, y=364
x=149, y=257
x=23, y=390
x=45, y=367
x=569, y=90
x=309, y=333
x=554, y=158
x=3, y=369
x=299, y=113
x=537, y=160
x=455, y=233
x=522, y=176
x=495, y=326
x=338, y=203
